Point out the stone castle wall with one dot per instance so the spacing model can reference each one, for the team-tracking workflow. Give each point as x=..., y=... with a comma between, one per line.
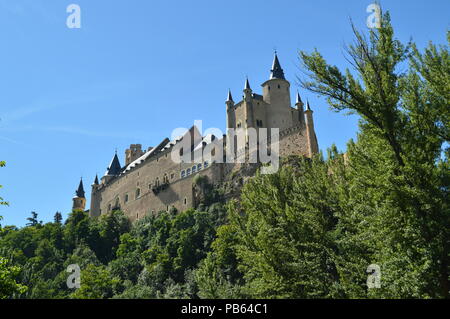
x=133, y=191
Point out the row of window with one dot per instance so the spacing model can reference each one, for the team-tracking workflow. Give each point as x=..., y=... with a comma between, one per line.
x=157, y=183
x=259, y=123
x=194, y=169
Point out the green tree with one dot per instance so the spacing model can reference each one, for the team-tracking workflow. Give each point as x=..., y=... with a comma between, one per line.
x=33, y=220
x=8, y=283
x=58, y=218
x=399, y=165
x=8, y=274
x=96, y=283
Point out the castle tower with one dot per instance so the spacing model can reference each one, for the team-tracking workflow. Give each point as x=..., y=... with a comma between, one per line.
x=313, y=147
x=276, y=92
x=79, y=200
x=299, y=106
x=231, y=119
x=133, y=153
x=95, y=209
x=248, y=106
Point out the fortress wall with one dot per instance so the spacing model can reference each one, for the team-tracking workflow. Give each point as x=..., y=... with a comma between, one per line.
x=178, y=194
x=294, y=142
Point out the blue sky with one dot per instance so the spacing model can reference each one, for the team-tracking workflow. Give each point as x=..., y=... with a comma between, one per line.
x=138, y=69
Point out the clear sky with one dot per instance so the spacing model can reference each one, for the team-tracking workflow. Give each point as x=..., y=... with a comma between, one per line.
x=137, y=69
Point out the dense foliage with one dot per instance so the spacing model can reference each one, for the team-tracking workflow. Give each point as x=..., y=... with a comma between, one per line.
x=309, y=231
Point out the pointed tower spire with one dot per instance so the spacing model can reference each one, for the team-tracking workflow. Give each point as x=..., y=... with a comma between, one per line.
x=114, y=168
x=308, y=107
x=96, y=180
x=298, y=100
x=276, y=72
x=247, y=84
x=79, y=201
x=80, y=191
x=229, y=97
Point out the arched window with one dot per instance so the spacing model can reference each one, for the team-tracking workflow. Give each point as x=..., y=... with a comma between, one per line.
x=126, y=198
x=185, y=201
x=166, y=179
x=199, y=167
x=205, y=164
x=138, y=193
x=157, y=182
x=183, y=174
x=194, y=169
x=188, y=172
x=117, y=202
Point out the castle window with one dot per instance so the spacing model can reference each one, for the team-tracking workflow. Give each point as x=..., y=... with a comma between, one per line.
x=117, y=203
x=194, y=169
x=206, y=164
x=183, y=174
x=172, y=176
x=138, y=193
x=109, y=207
x=165, y=179
x=269, y=87
x=199, y=167
x=185, y=201
x=157, y=182
x=150, y=186
x=126, y=198
x=278, y=86
x=188, y=172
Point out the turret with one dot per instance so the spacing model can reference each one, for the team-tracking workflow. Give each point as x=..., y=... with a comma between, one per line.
x=96, y=184
x=133, y=153
x=94, y=210
x=231, y=119
x=299, y=106
x=96, y=180
x=276, y=92
x=248, y=100
x=313, y=146
x=247, y=91
x=79, y=200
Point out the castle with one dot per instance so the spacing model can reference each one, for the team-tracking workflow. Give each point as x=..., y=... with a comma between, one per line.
x=151, y=181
